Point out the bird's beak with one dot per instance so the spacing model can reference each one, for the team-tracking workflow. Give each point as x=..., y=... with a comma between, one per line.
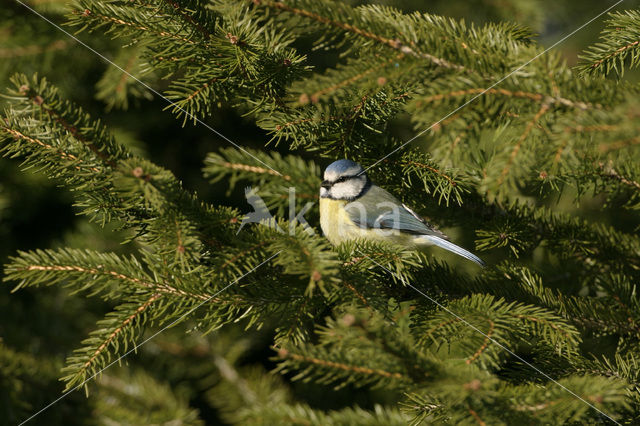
x=326, y=185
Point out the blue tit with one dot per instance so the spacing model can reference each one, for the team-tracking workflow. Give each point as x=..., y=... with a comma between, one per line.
x=351, y=207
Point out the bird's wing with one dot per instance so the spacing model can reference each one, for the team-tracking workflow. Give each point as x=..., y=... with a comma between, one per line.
x=377, y=208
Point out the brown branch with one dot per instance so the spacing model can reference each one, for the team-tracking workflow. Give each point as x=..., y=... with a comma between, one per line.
x=300, y=121
x=544, y=108
x=160, y=287
x=594, y=128
x=594, y=398
x=351, y=122
x=613, y=174
x=603, y=325
x=583, y=129
x=331, y=117
x=394, y=44
x=395, y=98
x=442, y=324
x=537, y=97
x=315, y=97
x=72, y=130
x=321, y=119
x=485, y=343
x=312, y=120
x=194, y=94
x=125, y=74
x=115, y=332
x=180, y=248
x=189, y=18
x=283, y=353
x=18, y=135
x=403, y=312
x=559, y=152
x=423, y=166
x=477, y=417
x=617, y=52
x=33, y=50
x=455, y=143
x=357, y=293
x=542, y=321
x=357, y=259
x=606, y=148
x=134, y=25
x=252, y=169
x=432, y=169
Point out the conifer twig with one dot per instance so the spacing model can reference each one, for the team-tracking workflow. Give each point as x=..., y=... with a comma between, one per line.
x=284, y=353
x=39, y=101
x=315, y=97
x=19, y=135
x=393, y=43
x=536, y=97
x=252, y=169
x=135, y=25
x=485, y=343
x=115, y=332
x=176, y=6
x=544, y=108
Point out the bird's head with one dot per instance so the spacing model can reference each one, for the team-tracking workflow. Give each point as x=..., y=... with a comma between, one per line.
x=344, y=180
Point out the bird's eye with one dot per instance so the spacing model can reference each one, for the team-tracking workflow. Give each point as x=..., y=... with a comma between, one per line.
x=343, y=179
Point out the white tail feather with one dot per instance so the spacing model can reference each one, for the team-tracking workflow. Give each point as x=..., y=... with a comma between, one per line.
x=440, y=242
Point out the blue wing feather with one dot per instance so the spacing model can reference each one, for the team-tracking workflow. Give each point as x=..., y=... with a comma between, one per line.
x=377, y=208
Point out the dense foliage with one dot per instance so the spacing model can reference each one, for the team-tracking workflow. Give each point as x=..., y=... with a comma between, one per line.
x=531, y=161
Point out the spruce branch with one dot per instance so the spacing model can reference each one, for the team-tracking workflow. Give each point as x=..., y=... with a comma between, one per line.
x=396, y=43
x=298, y=177
x=34, y=97
x=543, y=109
x=104, y=274
x=568, y=305
x=137, y=397
x=501, y=322
x=116, y=86
x=16, y=134
x=535, y=97
x=118, y=328
x=618, y=48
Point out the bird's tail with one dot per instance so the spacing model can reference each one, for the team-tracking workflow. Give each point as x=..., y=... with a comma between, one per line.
x=441, y=242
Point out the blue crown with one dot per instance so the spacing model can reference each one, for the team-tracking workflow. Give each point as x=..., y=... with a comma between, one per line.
x=342, y=167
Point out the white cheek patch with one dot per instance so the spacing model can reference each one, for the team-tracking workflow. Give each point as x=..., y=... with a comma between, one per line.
x=324, y=192
x=345, y=190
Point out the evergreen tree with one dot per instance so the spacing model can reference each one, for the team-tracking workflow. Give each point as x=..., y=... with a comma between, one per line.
x=513, y=151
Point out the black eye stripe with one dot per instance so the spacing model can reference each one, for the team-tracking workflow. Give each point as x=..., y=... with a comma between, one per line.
x=345, y=178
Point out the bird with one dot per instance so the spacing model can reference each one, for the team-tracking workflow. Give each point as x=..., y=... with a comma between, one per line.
x=353, y=207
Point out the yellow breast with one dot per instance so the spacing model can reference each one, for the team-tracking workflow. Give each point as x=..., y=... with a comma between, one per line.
x=333, y=219
x=338, y=227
